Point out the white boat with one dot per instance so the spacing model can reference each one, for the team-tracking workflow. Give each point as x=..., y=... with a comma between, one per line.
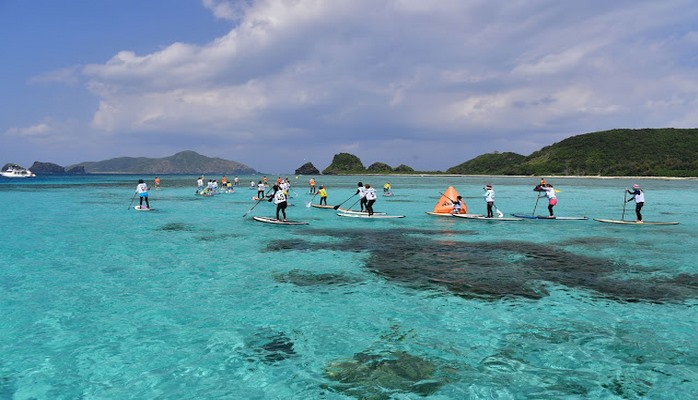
x=15, y=171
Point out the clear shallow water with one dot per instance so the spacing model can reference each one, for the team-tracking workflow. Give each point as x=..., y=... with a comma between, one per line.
x=192, y=300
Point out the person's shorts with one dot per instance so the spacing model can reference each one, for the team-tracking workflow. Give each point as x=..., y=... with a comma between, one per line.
x=552, y=202
x=144, y=194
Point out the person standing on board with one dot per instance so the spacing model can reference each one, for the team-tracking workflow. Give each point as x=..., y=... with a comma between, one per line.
x=142, y=190
x=279, y=199
x=457, y=205
x=639, y=197
x=489, y=198
x=370, y=197
x=323, y=195
x=550, y=194
x=361, y=191
x=157, y=183
x=260, y=190
x=311, y=182
x=200, y=184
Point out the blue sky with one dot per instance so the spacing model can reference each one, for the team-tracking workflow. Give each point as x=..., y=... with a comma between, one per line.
x=274, y=84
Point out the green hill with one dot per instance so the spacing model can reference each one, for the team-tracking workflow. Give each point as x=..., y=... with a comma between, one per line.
x=627, y=152
x=185, y=162
x=490, y=164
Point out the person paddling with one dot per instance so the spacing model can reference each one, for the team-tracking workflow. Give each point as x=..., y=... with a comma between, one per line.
x=323, y=194
x=370, y=196
x=489, y=198
x=361, y=191
x=550, y=194
x=639, y=196
x=457, y=205
x=142, y=190
x=279, y=198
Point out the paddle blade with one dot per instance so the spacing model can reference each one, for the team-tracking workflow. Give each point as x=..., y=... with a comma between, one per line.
x=337, y=206
x=499, y=214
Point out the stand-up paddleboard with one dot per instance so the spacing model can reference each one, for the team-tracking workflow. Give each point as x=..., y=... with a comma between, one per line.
x=139, y=208
x=365, y=215
x=345, y=211
x=624, y=222
x=555, y=218
x=269, y=220
x=448, y=214
x=321, y=206
x=483, y=218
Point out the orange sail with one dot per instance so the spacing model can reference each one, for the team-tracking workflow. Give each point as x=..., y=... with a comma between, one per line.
x=445, y=203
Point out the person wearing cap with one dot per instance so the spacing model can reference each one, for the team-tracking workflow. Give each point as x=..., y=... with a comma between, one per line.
x=279, y=198
x=639, y=196
x=489, y=198
x=142, y=190
x=323, y=194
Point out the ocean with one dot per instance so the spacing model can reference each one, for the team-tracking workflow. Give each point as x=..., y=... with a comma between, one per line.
x=193, y=300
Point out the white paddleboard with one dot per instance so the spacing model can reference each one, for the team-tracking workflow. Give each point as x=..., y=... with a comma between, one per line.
x=345, y=211
x=269, y=220
x=624, y=222
x=366, y=216
x=483, y=218
x=139, y=208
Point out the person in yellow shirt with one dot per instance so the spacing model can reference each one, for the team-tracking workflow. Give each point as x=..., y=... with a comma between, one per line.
x=323, y=195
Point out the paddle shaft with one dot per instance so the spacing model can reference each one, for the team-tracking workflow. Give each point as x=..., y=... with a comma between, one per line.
x=132, y=198
x=311, y=200
x=255, y=205
x=625, y=201
x=340, y=204
x=536, y=206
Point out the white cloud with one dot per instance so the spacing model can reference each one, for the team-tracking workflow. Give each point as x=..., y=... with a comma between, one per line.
x=403, y=70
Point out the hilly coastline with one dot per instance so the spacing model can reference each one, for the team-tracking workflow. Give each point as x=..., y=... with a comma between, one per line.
x=667, y=152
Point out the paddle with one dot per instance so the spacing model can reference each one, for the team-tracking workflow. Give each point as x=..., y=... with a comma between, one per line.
x=625, y=201
x=340, y=204
x=255, y=204
x=311, y=201
x=134, y=198
x=499, y=213
x=534, y=207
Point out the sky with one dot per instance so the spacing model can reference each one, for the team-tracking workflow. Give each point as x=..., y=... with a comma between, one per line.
x=274, y=84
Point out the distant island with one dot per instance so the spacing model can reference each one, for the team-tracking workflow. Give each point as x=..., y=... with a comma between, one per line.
x=667, y=152
x=620, y=152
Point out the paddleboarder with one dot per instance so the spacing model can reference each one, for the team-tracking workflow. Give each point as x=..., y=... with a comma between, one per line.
x=458, y=205
x=323, y=194
x=279, y=198
x=370, y=196
x=361, y=191
x=142, y=190
x=639, y=196
x=550, y=194
x=489, y=198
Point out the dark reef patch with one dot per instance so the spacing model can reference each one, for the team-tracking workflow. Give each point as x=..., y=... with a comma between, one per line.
x=271, y=347
x=307, y=278
x=176, y=227
x=493, y=270
x=384, y=375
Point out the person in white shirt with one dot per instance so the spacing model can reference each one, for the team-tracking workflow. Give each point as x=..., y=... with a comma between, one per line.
x=370, y=196
x=639, y=196
x=142, y=190
x=489, y=198
x=279, y=199
x=550, y=194
x=361, y=191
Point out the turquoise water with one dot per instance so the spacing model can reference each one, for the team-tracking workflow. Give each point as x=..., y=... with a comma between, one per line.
x=191, y=300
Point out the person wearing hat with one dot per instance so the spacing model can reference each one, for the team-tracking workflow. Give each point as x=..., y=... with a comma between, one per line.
x=639, y=196
x=489, y=198
x=142, y=190
x=279, y=198
x=323, y=194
